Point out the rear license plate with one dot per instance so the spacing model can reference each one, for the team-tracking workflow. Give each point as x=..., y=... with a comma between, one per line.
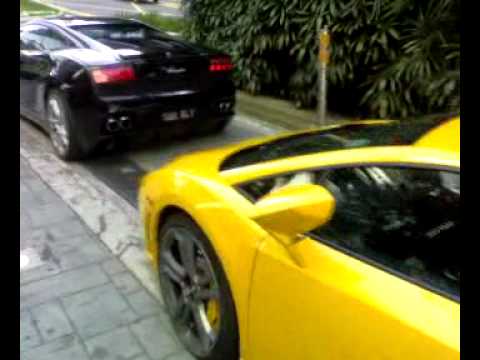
x=183, y=114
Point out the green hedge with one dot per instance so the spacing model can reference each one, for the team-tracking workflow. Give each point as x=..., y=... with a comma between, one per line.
x=394, y=58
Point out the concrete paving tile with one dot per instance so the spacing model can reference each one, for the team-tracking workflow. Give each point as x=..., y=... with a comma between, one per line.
x=34, y=183
x=66, y=229
x=68, y=347
x=51, y=320
x=47, y=197
x=182, y=355
x=61, y=285
x=29, y=336
x=155, y=336
x=48, y=214
x=143, y=303
x=98, y=310
x=39, y=273
x=119, y=344
x=126, y=283
x=82, y=255
x=113, y=266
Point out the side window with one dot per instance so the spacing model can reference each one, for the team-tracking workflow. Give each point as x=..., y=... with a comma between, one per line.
x=405, y=219
x=53, y=41
x=43, y=38
x=31, y=38
x=401, y=218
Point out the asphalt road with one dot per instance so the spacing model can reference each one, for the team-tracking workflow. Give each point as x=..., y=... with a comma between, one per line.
x=116, y=7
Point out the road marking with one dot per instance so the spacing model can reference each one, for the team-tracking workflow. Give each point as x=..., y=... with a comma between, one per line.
x=138, y=8
x=61, y=8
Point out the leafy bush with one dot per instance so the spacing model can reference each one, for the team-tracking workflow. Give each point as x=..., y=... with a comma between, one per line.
x=389, y=57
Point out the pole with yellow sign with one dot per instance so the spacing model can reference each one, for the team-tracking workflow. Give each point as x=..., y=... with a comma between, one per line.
x=323, y=60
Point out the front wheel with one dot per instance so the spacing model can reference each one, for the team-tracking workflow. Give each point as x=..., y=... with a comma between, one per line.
x=196, y=292
x=60, y=126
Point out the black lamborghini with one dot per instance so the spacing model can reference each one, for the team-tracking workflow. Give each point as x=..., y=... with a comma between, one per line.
x=88, y=80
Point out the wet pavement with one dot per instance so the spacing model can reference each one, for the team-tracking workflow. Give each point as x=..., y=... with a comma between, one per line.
x=77, y=300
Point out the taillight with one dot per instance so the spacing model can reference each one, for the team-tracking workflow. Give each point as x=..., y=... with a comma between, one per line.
x=221, y=64
x=113, y=74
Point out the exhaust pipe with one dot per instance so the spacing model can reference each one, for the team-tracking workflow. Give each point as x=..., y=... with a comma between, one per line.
x=125, y=123
x=224, y=106
x=112, y=125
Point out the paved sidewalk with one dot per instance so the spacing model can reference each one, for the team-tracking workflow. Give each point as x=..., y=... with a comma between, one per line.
x=77, y=300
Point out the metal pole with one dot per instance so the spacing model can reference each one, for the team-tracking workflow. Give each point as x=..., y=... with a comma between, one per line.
x=323, y=59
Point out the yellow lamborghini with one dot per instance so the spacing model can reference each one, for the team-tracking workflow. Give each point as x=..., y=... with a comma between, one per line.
x=336, y=243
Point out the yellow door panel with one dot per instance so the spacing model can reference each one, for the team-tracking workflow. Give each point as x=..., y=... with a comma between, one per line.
x=313, y=302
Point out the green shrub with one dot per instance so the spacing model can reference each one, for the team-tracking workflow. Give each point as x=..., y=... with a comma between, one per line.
x=394, y=58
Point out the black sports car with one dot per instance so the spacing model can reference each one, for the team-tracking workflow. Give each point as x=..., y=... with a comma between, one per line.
x=87, y=80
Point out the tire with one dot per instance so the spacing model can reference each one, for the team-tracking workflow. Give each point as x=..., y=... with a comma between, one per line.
x=225, y=343
x=61, y=128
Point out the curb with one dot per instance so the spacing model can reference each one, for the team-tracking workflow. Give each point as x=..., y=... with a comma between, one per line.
x=279, y=114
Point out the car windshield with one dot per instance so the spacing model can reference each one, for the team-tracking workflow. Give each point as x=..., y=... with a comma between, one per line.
x=344, y=137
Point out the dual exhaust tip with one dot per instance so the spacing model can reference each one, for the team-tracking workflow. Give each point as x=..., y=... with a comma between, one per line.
x=122, y=123
x=225, y=106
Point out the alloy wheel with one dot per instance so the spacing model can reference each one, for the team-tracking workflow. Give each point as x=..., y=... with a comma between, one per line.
x=190, y=290
x=58, y=127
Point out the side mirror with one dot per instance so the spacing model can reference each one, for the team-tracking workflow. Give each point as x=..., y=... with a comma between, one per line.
x=294, y=209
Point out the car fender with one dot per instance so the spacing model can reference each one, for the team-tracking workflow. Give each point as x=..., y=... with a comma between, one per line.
x=236, y=241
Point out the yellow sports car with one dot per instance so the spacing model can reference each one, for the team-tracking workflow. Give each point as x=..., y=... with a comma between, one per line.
x=337, y=243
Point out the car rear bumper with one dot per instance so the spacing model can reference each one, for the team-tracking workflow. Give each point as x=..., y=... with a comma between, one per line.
x=106, y=118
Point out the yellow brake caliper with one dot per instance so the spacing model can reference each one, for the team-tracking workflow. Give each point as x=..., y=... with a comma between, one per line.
x=213, y=313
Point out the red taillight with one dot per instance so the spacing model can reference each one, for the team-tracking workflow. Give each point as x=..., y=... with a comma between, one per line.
x=220, y=64
x=113, y=74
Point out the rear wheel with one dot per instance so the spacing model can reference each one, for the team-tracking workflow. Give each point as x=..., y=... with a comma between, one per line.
x=196, y=292
x=60, y=126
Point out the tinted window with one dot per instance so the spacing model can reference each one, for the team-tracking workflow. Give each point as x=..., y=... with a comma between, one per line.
x=346, y=137
x=403, y=219
x=53, y=41
x=43, y=38
x=406, y=219
x=31, y=38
